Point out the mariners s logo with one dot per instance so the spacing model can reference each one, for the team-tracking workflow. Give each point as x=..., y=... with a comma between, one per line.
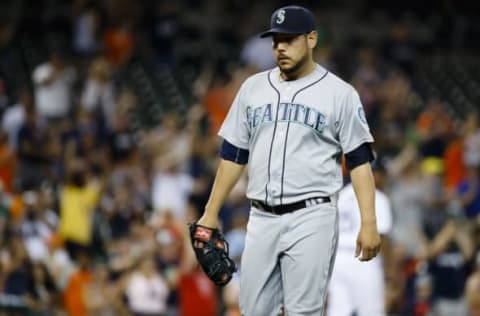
x=280, y=16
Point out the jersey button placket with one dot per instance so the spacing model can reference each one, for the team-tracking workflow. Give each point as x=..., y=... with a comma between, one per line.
x=288, y=93
x=277, y=176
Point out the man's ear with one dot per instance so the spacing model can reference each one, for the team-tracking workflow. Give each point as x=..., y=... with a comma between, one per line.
x=312, y=39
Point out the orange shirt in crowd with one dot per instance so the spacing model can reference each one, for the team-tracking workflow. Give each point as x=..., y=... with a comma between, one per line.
x=198, y=295
x=434, y=117
x=220, y=97
x=7, y=167
x=423, y=123
x=454, y=166
x=217, y=104
x=118, y=44
x=16, y=208
x=74, y=299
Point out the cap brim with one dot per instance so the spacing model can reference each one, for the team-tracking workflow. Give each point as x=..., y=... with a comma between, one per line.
x=275, y=30
x=266, y=34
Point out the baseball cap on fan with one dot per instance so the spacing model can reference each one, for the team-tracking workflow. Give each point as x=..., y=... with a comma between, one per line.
x=291, y=20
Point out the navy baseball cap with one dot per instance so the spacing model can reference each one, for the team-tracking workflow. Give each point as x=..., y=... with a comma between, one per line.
x=291, y=20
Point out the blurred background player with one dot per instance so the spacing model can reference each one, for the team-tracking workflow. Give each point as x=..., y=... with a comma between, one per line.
x=359, y=287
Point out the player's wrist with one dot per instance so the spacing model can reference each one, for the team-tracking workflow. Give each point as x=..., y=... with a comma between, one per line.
x=211, y=211
x=212, y=207
x=369, y=221
x=208, y=220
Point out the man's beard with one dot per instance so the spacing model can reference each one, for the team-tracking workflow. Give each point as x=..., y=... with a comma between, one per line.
x=295, y=68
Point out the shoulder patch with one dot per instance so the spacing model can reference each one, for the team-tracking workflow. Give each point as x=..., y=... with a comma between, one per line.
x=361, y=114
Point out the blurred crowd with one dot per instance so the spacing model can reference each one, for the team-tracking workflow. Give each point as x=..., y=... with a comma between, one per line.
x=94, y=209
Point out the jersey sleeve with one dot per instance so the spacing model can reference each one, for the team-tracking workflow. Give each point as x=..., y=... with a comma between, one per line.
x=235, y=129
x=352, y=126
x=384, y=213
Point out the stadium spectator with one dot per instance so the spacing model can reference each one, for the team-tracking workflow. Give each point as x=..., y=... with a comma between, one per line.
x=119, y=42
x=34, y=152
x=60, y=266
x=171, y=187
x=257, y=54
x=8, y=163
x=15, y=267
x=14, y=116
x=102, y=296
x=53, y=88
x=74, y=299
x=147, y=165
x=448, y=249
x=86, y=28
x=98, y=95
x=79, y=196
x=472, y=290
x=147, y=290
x=34, y=229
x=43, y=297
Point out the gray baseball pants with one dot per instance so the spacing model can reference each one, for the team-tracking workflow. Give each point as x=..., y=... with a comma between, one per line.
x=288, y=261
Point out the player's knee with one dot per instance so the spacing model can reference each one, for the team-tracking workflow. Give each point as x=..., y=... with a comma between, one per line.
x=263, y=310
x=304, y=309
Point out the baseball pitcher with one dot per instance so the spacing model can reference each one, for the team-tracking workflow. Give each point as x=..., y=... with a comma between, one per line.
x=290, y=126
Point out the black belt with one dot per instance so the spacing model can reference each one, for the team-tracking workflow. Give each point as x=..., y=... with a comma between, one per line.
x=287, y=208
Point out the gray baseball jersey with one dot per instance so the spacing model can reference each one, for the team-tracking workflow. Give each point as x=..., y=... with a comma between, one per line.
x=295, y=132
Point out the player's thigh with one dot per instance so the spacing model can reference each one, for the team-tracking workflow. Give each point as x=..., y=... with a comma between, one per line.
x=308, y=261
x=260, y=278
x=367, y=284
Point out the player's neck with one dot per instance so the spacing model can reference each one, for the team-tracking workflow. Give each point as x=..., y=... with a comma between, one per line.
x=303, y=71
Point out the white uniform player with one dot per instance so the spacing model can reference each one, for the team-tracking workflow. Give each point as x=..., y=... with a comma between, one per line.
x=357, y=286
x=291, y=125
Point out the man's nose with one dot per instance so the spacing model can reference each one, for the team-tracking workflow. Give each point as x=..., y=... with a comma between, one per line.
x=280, y=46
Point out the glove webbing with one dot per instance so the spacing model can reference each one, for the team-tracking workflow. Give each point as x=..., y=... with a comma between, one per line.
x=211, y=250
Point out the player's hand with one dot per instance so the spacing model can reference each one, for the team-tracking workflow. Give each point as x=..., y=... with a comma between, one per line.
x=368, y=242
x=208, y=220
